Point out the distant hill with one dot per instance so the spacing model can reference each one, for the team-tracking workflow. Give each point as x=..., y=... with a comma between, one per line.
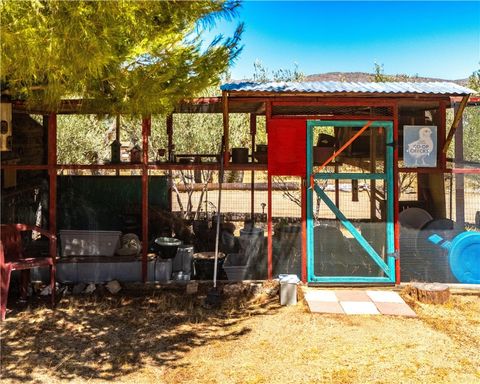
x=366, y=77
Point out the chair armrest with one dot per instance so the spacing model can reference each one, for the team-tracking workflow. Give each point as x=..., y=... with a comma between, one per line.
x=43, y=232
x=2, y=254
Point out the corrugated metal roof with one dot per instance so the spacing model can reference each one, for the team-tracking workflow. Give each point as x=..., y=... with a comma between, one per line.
x=433, y=88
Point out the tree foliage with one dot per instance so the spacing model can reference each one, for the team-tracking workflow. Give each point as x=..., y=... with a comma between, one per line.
x=474, y=80
x=263, y=74
x=379, y=75
x=471, y=125
x=137, y=57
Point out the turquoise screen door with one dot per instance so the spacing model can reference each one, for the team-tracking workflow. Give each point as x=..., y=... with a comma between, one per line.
x=350, y=231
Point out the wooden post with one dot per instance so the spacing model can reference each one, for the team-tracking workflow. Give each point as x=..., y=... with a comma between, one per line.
x=456, y=122
x=442, y=156
x=117, y=137
x=169, y=125
x=146, y=123
x=45, y=138
x=52, y=173
x=459, y=177
x=270, y=230
x=117, y=128
x=268, y=116
x=226, y=127
x=304, y=229
x=253, y=131
x=373, y=169
x=396, y=194
x=169, y=122
x=337, y=168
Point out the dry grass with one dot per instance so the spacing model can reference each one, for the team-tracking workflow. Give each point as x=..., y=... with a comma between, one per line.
x=159, y=336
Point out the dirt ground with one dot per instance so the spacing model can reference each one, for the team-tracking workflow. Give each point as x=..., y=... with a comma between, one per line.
x=160, y=335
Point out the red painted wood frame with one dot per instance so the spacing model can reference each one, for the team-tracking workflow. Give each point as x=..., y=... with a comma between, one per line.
x=304, y=230
x=53, y=167
x=52, y=175
x=396, y=195
x=52, y=171
x=253, y=132
x=334, y=102
x=146, y=125
x=344, y=146
x=442, y=135
x=226, y=128
x=269, y=230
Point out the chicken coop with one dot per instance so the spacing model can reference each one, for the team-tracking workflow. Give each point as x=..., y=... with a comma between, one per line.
x=338, y=183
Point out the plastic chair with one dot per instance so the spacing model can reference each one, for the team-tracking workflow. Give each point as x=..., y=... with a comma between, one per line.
x=12, y=258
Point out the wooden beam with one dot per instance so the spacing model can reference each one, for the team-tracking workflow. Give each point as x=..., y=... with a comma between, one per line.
x=456, y=122
x=253, y=132
x=169, y=124
x=333, y=117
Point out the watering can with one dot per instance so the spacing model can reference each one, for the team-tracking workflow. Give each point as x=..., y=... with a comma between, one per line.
x=463, y=255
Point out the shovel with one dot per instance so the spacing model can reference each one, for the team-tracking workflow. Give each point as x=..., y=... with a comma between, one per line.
x=214, y=297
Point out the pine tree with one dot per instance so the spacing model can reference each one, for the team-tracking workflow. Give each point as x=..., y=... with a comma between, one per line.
x=138, y=57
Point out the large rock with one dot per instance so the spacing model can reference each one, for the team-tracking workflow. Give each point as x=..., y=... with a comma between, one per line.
x=90, y=288
x=113, y=287
x=78, y=288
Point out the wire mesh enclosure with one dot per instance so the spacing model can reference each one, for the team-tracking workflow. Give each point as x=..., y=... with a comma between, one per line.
x=287, y=229
x=244, y=199
x=327, y=110
x=449, y=213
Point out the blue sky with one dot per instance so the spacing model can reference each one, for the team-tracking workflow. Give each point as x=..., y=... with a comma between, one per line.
x=435, y=39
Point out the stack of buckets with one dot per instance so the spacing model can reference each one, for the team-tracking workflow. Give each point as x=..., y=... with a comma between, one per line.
x=182, y=263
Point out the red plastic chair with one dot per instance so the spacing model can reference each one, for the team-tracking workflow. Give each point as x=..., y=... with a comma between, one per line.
x=12, y=258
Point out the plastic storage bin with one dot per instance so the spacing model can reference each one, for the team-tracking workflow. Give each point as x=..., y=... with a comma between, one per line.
x=162, y=270
x=89, y=243
x=182, y=262
x=235, y=266
x=204, y=263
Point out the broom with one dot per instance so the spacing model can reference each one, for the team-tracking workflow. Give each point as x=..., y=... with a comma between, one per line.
x=214, y=299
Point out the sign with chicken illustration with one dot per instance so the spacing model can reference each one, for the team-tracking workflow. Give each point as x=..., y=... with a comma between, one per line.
x=420, y=146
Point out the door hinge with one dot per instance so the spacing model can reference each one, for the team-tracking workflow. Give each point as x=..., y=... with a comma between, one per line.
x=395, y=255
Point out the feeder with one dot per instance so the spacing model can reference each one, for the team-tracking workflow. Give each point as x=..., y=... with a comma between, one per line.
x=166, y=247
